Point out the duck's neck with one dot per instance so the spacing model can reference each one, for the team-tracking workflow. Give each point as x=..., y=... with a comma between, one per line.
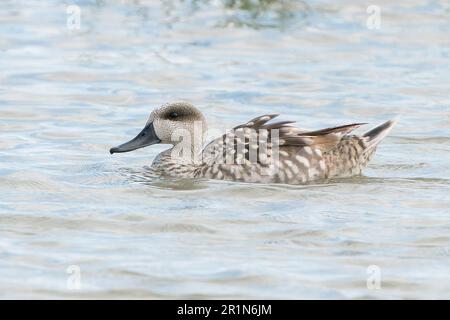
x=178, y=162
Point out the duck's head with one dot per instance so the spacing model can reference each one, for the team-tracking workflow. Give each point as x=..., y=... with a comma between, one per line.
x=168, y=124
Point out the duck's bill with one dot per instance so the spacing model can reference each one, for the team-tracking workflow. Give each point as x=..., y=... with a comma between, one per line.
x=145, y=138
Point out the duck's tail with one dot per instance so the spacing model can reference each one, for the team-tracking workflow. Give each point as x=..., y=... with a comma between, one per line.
x=374, y=136
x=355, y=152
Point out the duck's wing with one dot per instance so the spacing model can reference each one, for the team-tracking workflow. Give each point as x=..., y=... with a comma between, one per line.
x=226, y=145
x=328, y=138
x=256, y=139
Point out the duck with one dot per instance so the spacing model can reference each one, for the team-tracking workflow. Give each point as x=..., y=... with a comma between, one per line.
x=258, y=151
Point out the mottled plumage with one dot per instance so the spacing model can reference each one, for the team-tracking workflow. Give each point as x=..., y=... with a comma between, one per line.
x=264, y=151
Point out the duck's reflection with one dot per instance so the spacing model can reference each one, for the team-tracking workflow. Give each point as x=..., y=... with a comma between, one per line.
x=146, y=176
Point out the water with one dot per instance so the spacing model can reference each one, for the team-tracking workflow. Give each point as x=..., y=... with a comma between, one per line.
x=67, y=96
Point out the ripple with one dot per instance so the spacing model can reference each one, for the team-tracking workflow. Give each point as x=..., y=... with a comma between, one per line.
x=66, y=96
x=30, y=181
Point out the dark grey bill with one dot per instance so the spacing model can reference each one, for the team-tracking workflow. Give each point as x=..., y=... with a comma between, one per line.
x=145, y=138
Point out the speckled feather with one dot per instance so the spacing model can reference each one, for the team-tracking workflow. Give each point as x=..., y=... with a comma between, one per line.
x=247, y=153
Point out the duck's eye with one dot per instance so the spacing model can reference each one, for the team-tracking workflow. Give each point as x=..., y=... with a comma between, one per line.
x=173, y=115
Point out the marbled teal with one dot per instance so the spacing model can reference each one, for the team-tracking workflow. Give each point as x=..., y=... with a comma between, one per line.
x=259, y=151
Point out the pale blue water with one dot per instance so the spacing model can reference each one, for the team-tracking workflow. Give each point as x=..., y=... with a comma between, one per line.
x=67, y=96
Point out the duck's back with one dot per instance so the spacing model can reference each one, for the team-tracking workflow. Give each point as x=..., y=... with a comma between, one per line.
x=280, y=153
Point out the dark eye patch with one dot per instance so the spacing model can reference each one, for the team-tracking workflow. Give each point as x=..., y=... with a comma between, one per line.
x=173, y=115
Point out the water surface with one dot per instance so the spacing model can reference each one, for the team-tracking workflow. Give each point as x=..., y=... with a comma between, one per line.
x=67, y=96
